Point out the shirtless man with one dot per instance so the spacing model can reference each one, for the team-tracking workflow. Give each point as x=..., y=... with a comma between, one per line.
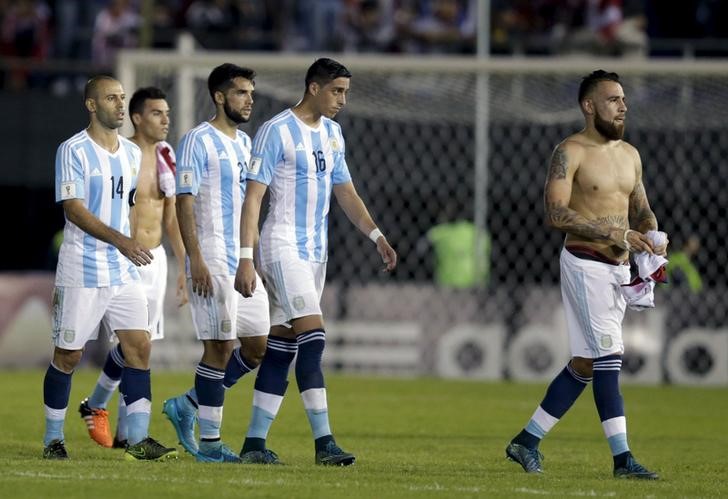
x=594, y=193
x=152, y=212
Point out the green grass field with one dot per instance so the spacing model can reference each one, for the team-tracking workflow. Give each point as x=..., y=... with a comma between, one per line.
x=412, y=438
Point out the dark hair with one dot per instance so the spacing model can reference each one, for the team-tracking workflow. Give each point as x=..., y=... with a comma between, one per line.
x=221, y=78
x=324, y=70
x=89, y=91
x=590, y=81
x=136, y=104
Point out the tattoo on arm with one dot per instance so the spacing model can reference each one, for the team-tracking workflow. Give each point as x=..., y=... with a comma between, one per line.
x=559, y=164
x=641, y=215
x=571, y=222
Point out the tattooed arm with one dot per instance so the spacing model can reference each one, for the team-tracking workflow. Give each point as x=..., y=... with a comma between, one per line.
x=641, y=216
x=557, y=195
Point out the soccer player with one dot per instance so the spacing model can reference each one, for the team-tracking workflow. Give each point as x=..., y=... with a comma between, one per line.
x=96, y=277
x=152, y=213
x=213, y=160
x=594, y=193
x=300, y=155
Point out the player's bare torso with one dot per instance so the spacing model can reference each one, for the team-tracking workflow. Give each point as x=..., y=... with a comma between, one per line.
x=146, y=216
x=601, y=188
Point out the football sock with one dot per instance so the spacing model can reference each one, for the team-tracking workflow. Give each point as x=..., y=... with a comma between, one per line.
x=138, y=399
x=270, y=386
x=560, y=396
x=210, y=398
x=609, y=402
x=310, y=379
x=236, y=368
x=122, y=430
x=56, y=391
x=109, y=379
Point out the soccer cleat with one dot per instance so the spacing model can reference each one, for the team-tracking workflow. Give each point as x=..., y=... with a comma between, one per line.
x=218, y=454
x=97, y=424
x=529, y=459
x=265, y=456
x=633, y=469
x=149, y=450
x=183, y=419
x=119, y=444
x=55, y=450
x=333, y=455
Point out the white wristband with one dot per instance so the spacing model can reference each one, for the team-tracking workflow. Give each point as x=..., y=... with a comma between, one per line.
x=374, y=235
x=246, y=253
x=627, y=246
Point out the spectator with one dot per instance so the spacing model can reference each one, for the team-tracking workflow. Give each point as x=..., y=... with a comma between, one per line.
x=448, y=26
x=116, y=27
x=367, y=26
x=24, y=33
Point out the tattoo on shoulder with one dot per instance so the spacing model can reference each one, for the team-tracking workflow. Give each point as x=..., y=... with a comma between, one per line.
x=559, y=164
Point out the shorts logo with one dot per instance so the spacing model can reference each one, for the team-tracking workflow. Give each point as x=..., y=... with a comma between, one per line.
x=226, y=326
x=185, y=179
x=68, y=190
x=299, y=302
x=606, y=341
x=69, y=335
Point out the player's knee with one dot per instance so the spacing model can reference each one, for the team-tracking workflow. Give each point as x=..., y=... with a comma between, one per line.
x=253, y=349
x=66, y=360
x=582, y=366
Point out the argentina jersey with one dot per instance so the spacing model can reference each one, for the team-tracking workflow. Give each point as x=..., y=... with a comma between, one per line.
x=300, y=165
x=211, y=166
x=102, y=180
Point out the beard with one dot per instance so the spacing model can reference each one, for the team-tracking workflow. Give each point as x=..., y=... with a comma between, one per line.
x=608, y=129
x=233, y=115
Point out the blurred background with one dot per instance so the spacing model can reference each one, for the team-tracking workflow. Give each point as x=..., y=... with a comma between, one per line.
x=455, y=108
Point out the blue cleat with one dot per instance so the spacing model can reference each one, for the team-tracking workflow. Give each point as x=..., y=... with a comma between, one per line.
x=182, y=414
x=633, y=469
x=529, y=459
x=216, y=452
x=265, y=456
x=333, y=455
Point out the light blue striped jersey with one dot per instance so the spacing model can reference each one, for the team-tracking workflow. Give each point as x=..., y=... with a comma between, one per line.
x=87, y=171
x=300, y=165
x=211, y=166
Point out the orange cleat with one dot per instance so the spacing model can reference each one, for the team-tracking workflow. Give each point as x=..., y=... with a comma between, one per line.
x=97, y=423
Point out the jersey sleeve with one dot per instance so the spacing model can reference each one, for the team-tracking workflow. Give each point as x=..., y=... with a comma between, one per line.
x=340, y=173
x=266, y=154
x=70, y=174
x=190, y=163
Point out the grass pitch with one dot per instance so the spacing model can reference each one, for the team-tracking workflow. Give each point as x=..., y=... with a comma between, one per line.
x=412, y=438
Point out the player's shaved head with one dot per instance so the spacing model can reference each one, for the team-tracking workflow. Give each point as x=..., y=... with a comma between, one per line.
x=91, y=89
x=324, y=71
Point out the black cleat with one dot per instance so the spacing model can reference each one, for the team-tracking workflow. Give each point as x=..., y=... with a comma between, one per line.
x=55, y=450
x=265, y=456
x=333, y=455
x=633, y=469
x=529, y=459
x=149, y=450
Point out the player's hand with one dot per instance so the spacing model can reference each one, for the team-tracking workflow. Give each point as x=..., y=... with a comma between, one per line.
x=181, y=294
x=137, y=253
x=662, y=249
x=389, y=256
x=245, y=277
x=639, y=242
x=201, y=278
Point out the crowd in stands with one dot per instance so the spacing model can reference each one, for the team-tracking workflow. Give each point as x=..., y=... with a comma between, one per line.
x=93, y=30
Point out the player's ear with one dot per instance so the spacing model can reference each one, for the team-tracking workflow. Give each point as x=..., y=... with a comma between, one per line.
x=314, y=88
x=219, y=97
x=90, y=105
x=588, y=106
x=136, y=119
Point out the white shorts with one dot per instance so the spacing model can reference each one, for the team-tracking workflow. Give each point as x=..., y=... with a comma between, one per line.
x=227, y=314
x=593, y=304
x=78, y=312
x=154, y=282
x=295, y=287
